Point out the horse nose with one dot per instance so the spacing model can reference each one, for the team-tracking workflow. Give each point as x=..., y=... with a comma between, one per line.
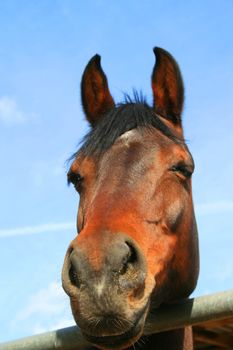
x=122, y=264
x=125, y=260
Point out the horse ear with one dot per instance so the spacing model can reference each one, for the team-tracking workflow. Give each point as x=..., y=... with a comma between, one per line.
x=96, y=98
x=168, y=88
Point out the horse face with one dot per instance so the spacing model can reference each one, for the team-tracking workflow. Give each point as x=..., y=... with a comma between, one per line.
x=137, y=234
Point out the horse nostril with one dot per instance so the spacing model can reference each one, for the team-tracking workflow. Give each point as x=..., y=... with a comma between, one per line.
x=133, y=268
x=75, y=267
x=73, y=275
x=129, y=259
x=133, y=253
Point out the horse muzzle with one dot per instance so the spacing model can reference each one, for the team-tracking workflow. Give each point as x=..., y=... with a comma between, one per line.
x=108, y=292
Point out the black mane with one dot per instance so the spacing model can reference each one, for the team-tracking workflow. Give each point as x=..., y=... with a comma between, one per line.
x=130, y=114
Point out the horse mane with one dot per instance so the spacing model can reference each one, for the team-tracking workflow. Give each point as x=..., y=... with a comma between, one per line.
x=132, y=113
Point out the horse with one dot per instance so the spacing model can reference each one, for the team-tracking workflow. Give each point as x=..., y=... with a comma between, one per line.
x=137, y=243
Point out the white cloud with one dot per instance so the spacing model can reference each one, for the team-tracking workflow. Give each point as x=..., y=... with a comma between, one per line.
x=47, y=301
x=10, y=113
x=48, y=309
x=30, y=230
x=214, y=207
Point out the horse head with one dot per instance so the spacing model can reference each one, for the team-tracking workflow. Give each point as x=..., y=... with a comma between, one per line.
x=137, y=238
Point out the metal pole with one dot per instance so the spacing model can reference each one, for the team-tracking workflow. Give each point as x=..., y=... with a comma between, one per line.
x=189, y=312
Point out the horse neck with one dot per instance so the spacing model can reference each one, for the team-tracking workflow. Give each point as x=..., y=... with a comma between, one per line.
x=179, y=339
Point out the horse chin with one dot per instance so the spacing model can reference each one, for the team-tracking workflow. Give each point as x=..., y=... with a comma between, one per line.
x=120, y=341
x=116, y=342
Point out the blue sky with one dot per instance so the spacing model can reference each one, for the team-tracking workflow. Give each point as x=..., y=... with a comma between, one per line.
x=44, y=47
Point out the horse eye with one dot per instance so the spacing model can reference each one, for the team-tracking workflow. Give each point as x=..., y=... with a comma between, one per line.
x=182, y=169
x=74, y=178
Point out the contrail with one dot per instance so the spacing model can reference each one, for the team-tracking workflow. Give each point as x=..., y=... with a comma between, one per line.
x=31, y=230
x=201, y=209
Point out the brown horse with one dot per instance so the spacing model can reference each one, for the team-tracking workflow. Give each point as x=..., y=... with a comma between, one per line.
x=137, y=243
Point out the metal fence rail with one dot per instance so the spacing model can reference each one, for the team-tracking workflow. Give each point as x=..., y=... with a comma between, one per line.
x=195, y=311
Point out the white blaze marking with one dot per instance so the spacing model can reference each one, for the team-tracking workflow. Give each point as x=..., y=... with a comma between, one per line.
x=100, y=286
x=127, y=136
